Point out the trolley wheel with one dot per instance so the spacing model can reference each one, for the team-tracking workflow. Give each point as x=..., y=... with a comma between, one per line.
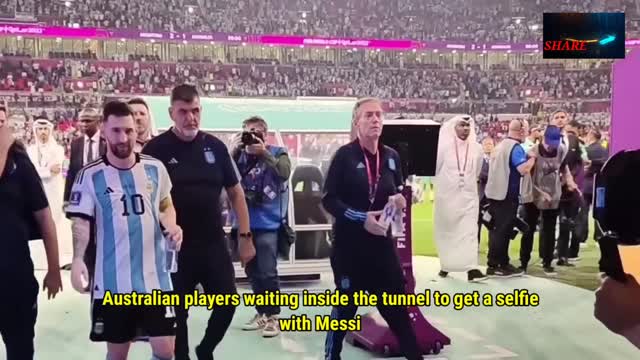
x=437, y=347
x=387, y=350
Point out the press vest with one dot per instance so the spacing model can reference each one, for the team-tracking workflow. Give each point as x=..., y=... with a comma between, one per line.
x=500, y=170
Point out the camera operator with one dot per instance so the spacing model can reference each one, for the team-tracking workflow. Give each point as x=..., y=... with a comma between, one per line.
x=264, y=170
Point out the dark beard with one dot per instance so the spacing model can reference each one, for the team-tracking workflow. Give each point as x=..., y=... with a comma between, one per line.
x=121, y=151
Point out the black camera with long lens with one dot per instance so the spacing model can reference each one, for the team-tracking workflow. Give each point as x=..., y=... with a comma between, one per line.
x=250, y=138
x=616, y=209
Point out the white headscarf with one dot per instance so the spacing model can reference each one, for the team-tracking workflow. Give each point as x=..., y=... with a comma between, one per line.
x=45, y=154
x=448, y=138
x=46, y=124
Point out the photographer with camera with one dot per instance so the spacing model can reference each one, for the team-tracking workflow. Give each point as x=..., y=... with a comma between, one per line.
x=549, y=174
x=264, y=170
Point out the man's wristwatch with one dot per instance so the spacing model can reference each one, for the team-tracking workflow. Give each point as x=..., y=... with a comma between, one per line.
x=247, y=235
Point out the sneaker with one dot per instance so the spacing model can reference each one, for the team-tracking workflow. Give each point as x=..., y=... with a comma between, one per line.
x=564, y=262
x=443, y=274
x=475, y=275
x=499, y=272
x=272, y=327
x=513, y=270
x=523, y=268
x=256, y=323
x=549, y=270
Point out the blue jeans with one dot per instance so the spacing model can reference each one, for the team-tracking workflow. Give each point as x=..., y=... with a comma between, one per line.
x=263, y=269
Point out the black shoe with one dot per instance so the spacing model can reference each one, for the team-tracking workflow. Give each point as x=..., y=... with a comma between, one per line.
x=476, y=275
x=500, y=272
x=523, y=268
x=513, y=270
x=66, y=267
x=564, y=262
x=491, y=271
x=443, y=274
x=203, y=354
x=549, y=270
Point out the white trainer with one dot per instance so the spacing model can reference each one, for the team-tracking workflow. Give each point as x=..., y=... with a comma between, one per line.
x=272, y=328
x=256, y=323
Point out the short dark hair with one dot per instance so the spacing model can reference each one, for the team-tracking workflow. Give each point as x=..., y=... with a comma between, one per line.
x=116, y=108
x=256, y=120
x=596, y=134
x=184, y=92
x=138, y=101
x=575, y=123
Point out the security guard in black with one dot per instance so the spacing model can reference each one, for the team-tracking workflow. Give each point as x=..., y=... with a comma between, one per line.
x=199, y=170
x=21, y=194
x=359, y=182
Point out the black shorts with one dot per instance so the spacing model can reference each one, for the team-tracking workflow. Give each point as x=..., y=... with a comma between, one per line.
x=123, y=324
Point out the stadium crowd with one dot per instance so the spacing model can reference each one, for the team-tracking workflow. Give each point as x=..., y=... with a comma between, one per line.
x=462, y=20
x=302, y=80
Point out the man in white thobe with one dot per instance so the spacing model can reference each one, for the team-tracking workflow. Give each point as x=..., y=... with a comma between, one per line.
x=48, y=158
x=457, y=201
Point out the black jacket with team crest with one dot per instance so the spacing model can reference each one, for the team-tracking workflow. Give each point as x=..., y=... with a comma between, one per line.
x=346, y=196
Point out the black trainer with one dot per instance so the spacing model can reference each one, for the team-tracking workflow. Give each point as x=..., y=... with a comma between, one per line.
x=443, y=274
x=499, y=272
x=523, y=268
x=476, y=275
x=549, y=270
x=564, y=262
x=513, y=270
x=491, y=271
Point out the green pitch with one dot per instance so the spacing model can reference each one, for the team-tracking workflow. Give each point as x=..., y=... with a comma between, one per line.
x=584, y=274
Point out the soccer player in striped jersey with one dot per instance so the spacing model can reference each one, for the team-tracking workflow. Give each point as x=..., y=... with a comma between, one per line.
x=128, y=195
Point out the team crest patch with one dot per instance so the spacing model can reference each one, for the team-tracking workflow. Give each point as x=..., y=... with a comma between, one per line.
x=345, y=283
x=75, y=198
x=209, y=157
x=392, y=164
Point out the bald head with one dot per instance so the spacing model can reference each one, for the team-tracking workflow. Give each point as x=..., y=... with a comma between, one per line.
x=518, y=129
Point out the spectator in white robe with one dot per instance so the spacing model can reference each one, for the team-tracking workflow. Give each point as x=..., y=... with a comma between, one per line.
x=457, y=201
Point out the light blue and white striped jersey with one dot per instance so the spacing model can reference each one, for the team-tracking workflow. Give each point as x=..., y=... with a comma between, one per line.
x=130, y=246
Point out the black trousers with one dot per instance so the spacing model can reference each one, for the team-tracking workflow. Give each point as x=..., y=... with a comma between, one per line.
x=531, y=215
x=211, y=267
x=569, y=237
x=18, y=313
x=383, y=274
x=548, y=235
x=504, y=213
x=588, y=203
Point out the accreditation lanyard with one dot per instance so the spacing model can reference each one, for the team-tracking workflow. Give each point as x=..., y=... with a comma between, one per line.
x=373, y=183
x=462, y=171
